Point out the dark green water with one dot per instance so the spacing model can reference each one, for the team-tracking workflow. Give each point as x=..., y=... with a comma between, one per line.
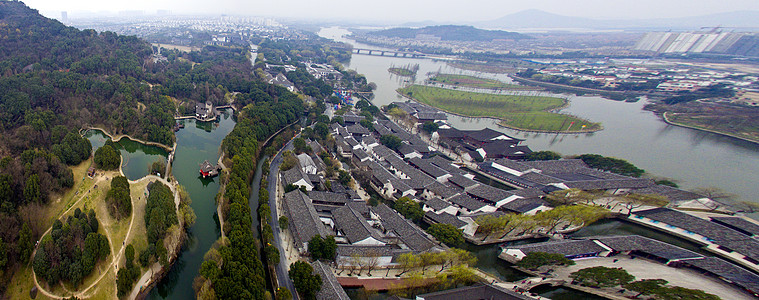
x=195, y=143
x=137, y=157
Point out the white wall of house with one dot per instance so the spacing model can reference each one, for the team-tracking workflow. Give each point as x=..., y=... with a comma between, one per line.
x=370, y=241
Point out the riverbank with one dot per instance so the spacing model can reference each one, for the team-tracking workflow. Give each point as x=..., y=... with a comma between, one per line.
x=575, y=88
x=670, y=122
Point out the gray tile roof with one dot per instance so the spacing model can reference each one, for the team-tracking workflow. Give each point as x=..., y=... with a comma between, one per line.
x=721, y=235
x=328, y=197
x=731, y=272
x=437, y=204
x=431, y=116
x=467, y=202
x=738, y=223
x=293, y=175
x=445, y=164
x=474, y=292
x=523, y=205
x=636, y=183
x=463, y=182
x=558, y=166
x=382, y=251
x=331, y=289
x=353, y=225
x=646, y=245
x=304, y=221
x=428, y=167
x=357, y=129
x=411, y=235
x=445, y=218
x=489, y=193
x=564, y=247
x=442, y=190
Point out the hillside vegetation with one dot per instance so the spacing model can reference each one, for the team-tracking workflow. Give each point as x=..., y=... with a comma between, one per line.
x=451, y=33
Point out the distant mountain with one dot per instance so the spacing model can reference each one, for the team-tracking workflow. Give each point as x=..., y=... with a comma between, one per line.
x=534, y=18
x=451, y=33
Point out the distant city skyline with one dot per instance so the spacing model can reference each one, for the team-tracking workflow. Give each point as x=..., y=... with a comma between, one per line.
x=403, y=10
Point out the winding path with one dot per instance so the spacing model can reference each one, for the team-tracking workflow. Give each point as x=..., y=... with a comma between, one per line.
x=117, y=256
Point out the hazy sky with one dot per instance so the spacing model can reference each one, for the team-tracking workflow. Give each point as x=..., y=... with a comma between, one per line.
x=406, y=10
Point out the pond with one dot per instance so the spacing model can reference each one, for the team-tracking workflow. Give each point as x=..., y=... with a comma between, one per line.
x=136, y=157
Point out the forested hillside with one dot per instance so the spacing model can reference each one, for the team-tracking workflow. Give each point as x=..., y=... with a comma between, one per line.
x=55, y=80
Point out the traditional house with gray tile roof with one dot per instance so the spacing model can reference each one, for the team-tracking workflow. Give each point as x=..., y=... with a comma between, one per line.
x=446, y=218
x=303, y=218
x=353, y=226
x=396, y=225
x=438, y=205
x=307, y=164
x=297, y=177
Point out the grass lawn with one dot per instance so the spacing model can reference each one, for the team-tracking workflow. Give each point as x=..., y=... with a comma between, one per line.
x=519, y=112
x=477, y=82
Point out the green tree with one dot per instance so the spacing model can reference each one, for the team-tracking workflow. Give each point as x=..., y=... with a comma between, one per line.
x=3, y=257
x=681, y=293
x=323, y=248
x=645, y=286
x=409, y=209
x=408, y=261
x=32, y=189
x=300, y=145
x=25, y=243
x=533, y=260
x=119, y=198
x=272, y=254
x=611, y=164
x=430, y=127
x=542, y=155
x=344, y=177
x=447, y=233
x=283, y=222
x=283, y=294
x=107, y=158
x=306, y=282
x=601, y=276
x=391, y=141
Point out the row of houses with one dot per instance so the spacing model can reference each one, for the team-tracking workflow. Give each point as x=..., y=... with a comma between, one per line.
x=553, y=175
x=634, y=245
x=362, y=232
x=449, y=194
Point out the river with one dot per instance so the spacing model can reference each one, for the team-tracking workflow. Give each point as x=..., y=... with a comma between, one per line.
x=197, y=142
x=690, y=157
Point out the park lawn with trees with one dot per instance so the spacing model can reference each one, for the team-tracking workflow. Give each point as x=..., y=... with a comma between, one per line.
x=515, y=111
x=476, y=82
x=401, y=72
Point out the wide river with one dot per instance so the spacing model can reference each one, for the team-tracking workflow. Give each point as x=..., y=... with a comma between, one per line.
x=692, y=158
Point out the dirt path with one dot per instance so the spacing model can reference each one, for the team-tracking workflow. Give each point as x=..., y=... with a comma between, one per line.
x=116, y=255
